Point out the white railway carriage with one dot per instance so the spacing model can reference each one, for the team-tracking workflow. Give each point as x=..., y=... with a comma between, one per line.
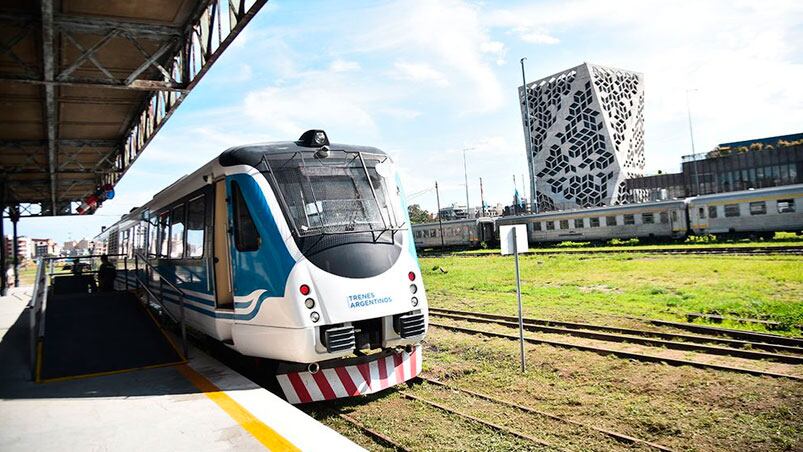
x=456, y=233
x=759, y=212
x=666, y=219
x=299, y=252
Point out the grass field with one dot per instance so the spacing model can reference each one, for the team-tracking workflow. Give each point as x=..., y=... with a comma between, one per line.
x=781, y=239
x=608, y=287
x=679, y=407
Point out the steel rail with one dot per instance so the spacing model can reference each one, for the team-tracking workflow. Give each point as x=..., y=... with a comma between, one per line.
x=629, y=338
x=615, y=435
x=746, y=335
x=619, y=353
x=665, y=335
x=376, y=436
x=490, y=425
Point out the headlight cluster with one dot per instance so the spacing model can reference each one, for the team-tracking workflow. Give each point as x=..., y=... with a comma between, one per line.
x=309, y=303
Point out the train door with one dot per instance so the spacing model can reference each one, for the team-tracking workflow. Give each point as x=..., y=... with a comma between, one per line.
x=222, y=259
x=701, y=219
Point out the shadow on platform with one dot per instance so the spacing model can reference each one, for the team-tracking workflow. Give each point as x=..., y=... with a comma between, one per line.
x=90, y=334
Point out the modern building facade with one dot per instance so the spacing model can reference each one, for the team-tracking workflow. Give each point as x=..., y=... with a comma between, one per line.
x=585, y=136
x=726, y=169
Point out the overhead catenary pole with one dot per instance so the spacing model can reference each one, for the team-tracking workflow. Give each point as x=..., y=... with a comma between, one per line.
x=440, y=220
x=530, y=153
x=693, y=151
x=465, y=177
x=482, y=199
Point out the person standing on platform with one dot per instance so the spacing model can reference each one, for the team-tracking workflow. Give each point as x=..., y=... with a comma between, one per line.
x=107, y=273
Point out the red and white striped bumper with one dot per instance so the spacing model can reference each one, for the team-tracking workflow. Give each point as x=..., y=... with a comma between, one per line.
x=347, y=381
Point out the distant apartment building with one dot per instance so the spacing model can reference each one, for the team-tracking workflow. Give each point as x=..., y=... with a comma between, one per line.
x=76, y=248
x=585, y=136
x=25, y=248
x=44, y=247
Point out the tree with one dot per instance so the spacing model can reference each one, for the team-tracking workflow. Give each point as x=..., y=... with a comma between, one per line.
x=418, y=215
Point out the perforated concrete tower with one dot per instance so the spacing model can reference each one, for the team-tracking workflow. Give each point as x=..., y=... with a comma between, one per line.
x=586, y=136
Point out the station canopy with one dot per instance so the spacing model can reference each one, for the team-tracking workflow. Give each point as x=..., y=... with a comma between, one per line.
x=85, y=85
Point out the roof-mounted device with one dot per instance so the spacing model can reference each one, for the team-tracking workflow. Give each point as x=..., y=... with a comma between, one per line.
x=313, y=139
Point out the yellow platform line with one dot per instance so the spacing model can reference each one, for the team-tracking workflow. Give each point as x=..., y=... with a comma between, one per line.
x=260, y=431
x=109, y=372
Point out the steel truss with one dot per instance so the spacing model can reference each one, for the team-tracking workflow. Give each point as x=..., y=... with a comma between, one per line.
x=174, y=59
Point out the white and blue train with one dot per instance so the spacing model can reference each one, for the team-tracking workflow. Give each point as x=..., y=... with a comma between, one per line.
x=298, y=252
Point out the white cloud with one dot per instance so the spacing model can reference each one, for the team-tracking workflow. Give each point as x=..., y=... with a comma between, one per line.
x=344, y=66
x=447, y=35
x=316, y=101
x=535, y=37
x=419, y=72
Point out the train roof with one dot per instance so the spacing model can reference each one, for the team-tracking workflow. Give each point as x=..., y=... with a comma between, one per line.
x=252, y=154
x=453, y=222
x=595, y=210
x=754, y=193
x=247, y=154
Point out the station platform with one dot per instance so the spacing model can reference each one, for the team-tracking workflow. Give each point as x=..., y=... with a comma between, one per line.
x=198, y=404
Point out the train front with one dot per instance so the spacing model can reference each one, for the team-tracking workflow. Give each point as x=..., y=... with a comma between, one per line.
x=353, y=310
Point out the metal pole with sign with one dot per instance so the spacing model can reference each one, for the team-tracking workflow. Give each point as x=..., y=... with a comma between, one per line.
x=513, y=239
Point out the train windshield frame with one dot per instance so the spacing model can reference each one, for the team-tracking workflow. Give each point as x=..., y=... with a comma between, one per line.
x=345, y=193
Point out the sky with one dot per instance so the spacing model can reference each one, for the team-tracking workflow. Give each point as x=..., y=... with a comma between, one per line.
x=426, y=79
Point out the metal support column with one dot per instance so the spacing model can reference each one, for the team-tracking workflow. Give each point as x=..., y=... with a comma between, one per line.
x=3, y=251
x=14, y=214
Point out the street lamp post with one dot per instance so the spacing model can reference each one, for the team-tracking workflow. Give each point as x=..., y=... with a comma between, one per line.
x=530, y=156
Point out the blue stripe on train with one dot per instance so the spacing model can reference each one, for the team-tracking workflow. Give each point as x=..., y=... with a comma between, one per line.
x=268, y=267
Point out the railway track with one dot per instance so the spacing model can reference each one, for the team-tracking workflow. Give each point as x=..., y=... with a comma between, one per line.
x=770, y=344
x=733, y=250
x=620, y=437
x=485, y=423
x=615, y=352
x=376, y=436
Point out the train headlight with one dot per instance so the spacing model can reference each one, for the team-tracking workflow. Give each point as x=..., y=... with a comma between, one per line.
x=314, y=316
x=413, y=288
x=304, y=289
x=309, y=303
x=411, y=276
x=414, y=301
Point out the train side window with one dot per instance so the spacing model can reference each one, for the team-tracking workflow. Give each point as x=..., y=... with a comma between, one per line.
x=712, y=211
x=246, y=236
x=674, y=215
x=610, y=221
x=701, y=212
x=648, y=218
x=196, y=213
x=564, y=224
x=550, y=225
x=177, y=232
x=731, y=210
x=593, y=222
x=578, y=223
x=758, y=208
x=664, y=217
x=630, y=218
x=537, y=226
x=786, y=205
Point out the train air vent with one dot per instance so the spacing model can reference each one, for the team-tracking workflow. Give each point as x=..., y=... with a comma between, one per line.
x=339, y=338
x=410, y=324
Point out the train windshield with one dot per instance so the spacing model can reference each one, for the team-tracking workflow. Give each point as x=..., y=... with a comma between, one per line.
x=346, y=192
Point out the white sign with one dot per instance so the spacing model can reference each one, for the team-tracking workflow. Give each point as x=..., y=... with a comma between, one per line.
x=506, y=238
